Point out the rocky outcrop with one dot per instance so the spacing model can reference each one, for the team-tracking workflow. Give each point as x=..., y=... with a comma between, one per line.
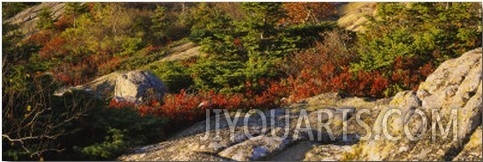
x=182, y=52
x=451, y=93
x=397, y=128
x=132, y=86
x=249, y=141
x=354, y=15
x=27, y=19
x=472, y=151
x=102, y=87
x=455, y=85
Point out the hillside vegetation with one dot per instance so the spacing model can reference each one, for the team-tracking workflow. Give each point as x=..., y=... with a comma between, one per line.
x=255, y=55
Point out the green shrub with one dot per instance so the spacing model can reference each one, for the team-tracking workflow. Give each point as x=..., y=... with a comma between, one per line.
x=432, y=32
x=405, y=41
x=173, y=74
x=113, y=144
x=131, y=45
x=140, y=59
x=115, y=131
x=209, y=73
x=45, y=19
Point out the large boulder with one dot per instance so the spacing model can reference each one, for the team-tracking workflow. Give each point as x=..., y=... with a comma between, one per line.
x=131, y=86
x=138, y=86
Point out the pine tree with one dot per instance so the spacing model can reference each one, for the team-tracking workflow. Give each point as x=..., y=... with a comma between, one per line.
x=74, y=9
x=262, y=18
x=45, y=20
x=160, y=23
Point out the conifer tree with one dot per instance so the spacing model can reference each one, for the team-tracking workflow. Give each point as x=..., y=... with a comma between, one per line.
x=160, y=23
x=74, y=9
x=45, y=20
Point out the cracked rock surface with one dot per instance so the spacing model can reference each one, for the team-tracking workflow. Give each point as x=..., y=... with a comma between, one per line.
x=452, y=93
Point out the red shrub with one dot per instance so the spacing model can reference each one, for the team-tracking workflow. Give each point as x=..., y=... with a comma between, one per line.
x=116, y=104
x=380, y=83
x=41, y=38
x=409, y=72
x=426, y=69
x=53, y=48
x=64, y=22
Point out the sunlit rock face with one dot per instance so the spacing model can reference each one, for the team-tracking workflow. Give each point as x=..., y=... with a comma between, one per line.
x=138, y=86
x=132, y=86
x=452, y=93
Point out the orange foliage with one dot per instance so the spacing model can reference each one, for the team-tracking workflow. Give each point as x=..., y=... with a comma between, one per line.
x=409, y=72
x=185, y=107
x=40, y=38
x=53, y=48
x=64, y=22
x=302, y=12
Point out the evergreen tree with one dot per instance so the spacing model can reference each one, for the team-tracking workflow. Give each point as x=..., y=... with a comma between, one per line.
x=74, y=9
x=265, y=41
x=262, y=18
x=262, y=33
x=45, y=20
x=160, y=23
